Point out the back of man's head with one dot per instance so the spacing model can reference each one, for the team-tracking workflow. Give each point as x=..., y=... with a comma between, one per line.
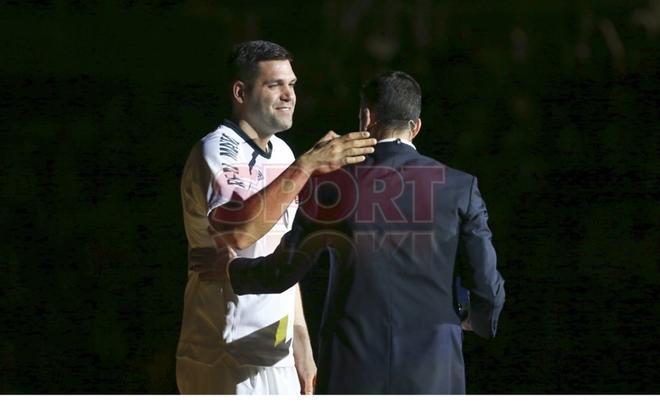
x=243, y=62
x=394, y=97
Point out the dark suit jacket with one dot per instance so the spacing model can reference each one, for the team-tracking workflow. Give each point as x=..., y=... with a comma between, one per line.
x=386, y=234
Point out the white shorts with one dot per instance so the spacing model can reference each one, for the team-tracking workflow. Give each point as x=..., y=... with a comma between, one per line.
x=193, y=377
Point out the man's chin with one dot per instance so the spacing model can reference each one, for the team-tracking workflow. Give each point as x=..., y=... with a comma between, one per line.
x=283, y=125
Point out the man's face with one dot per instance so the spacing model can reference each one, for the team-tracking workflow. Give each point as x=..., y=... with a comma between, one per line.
x=270, y=100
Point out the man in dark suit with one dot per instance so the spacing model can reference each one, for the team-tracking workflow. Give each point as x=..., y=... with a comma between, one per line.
x=385, y=233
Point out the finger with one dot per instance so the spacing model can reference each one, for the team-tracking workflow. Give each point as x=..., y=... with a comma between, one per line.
x=202, y=252
x=207, y=276
x=356, y=135
x=201, y=267
x=354, y=160
x=359, y=143
x=328, y=137
x=212, y=274
x=201, y=258
x=352, y=152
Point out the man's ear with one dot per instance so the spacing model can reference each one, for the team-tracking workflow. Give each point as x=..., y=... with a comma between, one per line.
x=415, y=129
x=238, y=91
x=366, y=118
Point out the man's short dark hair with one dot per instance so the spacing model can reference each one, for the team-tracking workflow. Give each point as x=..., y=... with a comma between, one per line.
x=395, y=97
x=244, y=59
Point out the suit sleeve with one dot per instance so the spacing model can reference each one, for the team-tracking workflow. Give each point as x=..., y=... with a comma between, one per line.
x=277, y=272
x=485, y=282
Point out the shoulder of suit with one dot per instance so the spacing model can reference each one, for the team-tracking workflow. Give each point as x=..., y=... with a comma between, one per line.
x=454, y=174
x=457, y=173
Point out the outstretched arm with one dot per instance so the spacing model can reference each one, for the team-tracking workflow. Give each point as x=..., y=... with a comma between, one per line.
x=241, y=222
x=294, y=257
x=280, y=270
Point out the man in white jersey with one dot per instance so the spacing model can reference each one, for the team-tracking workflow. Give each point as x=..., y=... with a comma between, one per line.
x=238, y=188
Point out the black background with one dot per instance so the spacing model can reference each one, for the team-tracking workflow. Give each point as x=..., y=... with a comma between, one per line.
x=552, y=104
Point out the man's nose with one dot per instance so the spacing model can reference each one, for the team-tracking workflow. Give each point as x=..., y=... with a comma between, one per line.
x=288, y=94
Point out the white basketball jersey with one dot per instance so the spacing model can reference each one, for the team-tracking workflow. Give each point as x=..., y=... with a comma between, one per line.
x=217, y=324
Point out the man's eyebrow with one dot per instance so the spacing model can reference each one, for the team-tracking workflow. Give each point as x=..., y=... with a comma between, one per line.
x=280, y=81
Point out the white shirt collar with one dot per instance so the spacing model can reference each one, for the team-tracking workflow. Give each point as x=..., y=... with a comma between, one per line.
x=398, y=141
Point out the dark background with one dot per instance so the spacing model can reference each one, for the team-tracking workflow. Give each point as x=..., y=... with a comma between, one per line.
x=552, y=104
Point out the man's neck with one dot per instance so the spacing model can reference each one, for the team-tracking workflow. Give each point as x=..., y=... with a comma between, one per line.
x=260, y=140
x=390, y=134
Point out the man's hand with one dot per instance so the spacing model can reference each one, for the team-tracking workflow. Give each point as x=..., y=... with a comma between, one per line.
x=333, y=151
x=307, y=377
x=211, y=263
x=466, y=325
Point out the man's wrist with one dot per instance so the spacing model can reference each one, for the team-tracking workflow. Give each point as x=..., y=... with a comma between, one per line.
x=304, y=164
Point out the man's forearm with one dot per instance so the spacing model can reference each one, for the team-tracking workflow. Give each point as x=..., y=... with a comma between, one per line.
x=487, y=291
x=278, y=271
x=302, y=348
x=240, y=228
